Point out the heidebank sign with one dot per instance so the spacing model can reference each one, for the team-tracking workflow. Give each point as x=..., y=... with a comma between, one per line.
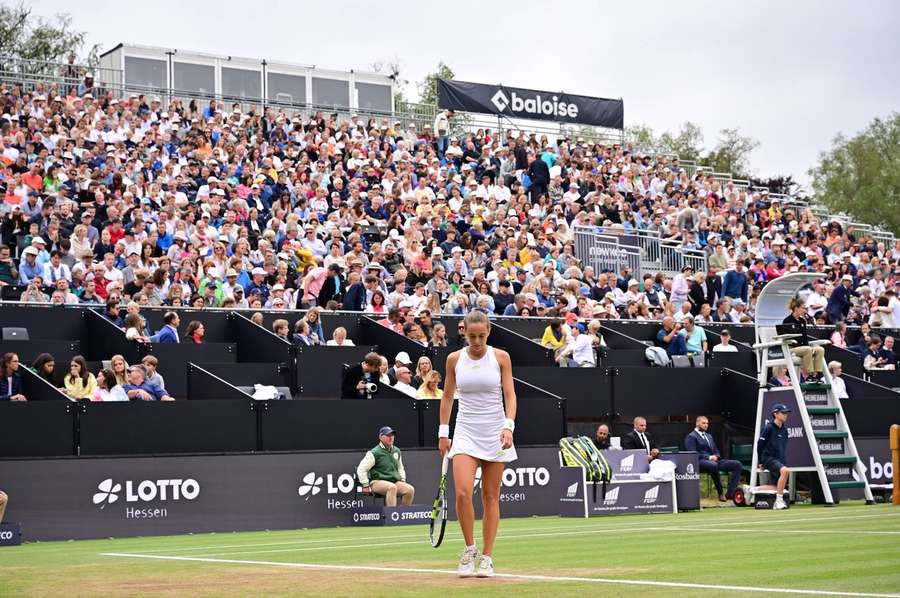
x=530, y=104
x=55, y=499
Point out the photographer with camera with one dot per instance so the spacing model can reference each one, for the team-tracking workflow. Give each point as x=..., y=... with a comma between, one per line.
x=361, y=380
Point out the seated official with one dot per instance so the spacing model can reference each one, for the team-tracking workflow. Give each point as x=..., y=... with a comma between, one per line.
x=601, y=438
x=725, y=345
x=640, y=439
x=813, y=366
x=771, y=450
x=381, y=471
x=139, y=389
x=701, y=442
x=10, y=379
x=339, y=338
x=359, y=375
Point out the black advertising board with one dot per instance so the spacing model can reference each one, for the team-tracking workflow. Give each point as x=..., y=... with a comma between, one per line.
x=517, y=102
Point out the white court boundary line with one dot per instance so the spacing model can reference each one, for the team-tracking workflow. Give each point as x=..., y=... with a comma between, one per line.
x=575, y=528
x=600, y=580
x=575, y=532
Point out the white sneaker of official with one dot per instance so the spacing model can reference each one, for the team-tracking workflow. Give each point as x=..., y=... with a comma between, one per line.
x=467, y=562
x=779, y=503
x=485, y=567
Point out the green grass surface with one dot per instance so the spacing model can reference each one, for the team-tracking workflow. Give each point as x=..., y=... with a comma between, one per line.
x=850, y=548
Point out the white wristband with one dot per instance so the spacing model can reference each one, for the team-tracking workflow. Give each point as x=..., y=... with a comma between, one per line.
x=509, y=424
x=444, y=431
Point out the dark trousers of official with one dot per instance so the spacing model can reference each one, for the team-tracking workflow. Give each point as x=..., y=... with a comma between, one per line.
x=713, y=468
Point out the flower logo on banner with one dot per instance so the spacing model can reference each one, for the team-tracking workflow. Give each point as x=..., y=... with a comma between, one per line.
x=108, y=493
x=310, y=485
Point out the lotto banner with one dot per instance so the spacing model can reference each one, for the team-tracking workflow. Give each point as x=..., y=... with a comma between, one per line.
x=57, y=499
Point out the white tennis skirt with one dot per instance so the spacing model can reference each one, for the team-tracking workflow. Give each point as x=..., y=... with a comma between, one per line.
x=481, y=442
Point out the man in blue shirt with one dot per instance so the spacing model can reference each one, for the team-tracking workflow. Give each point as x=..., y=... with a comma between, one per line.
x=139, y=389
x=736, y=284
x=771, y=449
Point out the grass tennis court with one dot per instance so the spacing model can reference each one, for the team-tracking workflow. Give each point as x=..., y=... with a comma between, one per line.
x=848, y=550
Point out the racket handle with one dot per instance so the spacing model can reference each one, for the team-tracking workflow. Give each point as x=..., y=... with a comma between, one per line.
x=444, y=462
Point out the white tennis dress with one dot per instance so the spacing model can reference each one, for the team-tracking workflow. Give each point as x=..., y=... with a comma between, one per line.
x=480, y=415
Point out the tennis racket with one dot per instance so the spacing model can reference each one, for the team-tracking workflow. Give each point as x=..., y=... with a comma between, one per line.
x=438, y=519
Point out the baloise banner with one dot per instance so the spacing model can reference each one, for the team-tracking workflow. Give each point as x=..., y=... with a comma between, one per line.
x=56, y=499
x=516, y=102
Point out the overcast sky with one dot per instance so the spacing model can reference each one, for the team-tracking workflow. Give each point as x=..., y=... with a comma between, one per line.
x=791, y=74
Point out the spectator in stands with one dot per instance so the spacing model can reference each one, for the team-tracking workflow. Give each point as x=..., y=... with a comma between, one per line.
x=735, y=283
x=681, y=286
x=839, y=303
x=601, y=438
x=339, y=338
x=377, y=304
x=281, y=329
x=400, y=360
x=640, y=439
x=302, y=335
x=579, y=350
x=813, y=357
x=313, y=317
x=889, y=352
x=44, y=366
x=430, y=386
x=139, y=389
x=555, y=336
x=838, y=386
x=108, y=389
x=119, y=367
x=725, y=345
x=423, y=366
x=134, y=325
x=839, y=336
x=694, y=336
x=151, y=363
x=670, y=338
x=438, y=336
x=381, y=471
x=194, y=333
x=11, y=387
x=169, y=332
x=780, y=377
x=357, y=376
x=4, y=500
x=816, y=302
x=79, y=383
x=403, y=381
x=878, y=357
x=702, y=442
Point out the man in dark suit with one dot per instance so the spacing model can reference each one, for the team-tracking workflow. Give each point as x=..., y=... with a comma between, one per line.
x=839, y=302
x=357, y=295
x=713, y=286
x=353, y=385
x=640, y=439
x=701, y=442
x=332, y=288
x=169, y=332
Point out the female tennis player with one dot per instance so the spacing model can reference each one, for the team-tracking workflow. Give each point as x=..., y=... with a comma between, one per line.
x=480, y=377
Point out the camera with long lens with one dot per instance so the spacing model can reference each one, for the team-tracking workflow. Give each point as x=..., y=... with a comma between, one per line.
x=371, y=388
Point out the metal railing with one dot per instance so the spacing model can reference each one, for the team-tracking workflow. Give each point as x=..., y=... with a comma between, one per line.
x=605, y=252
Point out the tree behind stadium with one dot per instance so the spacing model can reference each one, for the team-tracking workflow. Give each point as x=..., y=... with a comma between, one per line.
x=861, y=175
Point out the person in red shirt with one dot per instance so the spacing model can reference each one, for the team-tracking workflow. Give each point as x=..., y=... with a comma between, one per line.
x=34, y=178
x=116, y=231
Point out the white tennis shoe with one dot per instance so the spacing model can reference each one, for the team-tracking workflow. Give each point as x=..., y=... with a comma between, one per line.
x=467, y=562
x=485, y=567
x=779, y=504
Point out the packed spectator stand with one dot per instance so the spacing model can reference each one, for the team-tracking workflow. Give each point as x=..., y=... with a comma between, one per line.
x=230, y=245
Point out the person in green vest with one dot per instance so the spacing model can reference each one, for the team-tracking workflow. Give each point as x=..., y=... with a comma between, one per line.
x=381, y=471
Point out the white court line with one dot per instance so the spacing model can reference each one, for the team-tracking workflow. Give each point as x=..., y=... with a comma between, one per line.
x=511, y=536
x=843, y=532
x=576, y=527
x=600, y=580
